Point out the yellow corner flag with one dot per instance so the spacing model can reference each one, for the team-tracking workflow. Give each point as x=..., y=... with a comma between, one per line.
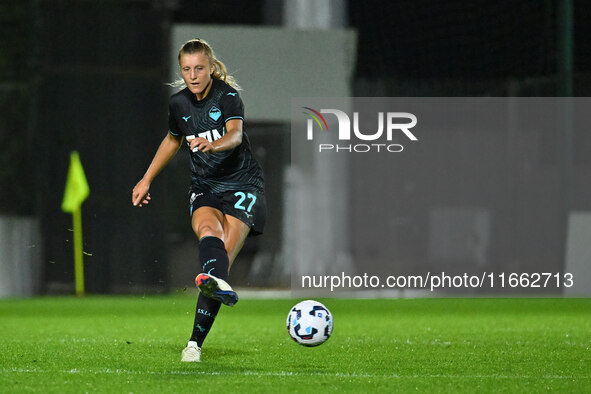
x=77, y=189
x=76, y=192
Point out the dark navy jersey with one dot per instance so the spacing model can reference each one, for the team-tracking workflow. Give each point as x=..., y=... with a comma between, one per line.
x=234, y=169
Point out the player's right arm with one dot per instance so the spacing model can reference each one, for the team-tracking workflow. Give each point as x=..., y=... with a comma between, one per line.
x=168, y=148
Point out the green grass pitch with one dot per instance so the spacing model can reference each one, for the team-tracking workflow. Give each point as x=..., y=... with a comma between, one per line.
x=133, y=344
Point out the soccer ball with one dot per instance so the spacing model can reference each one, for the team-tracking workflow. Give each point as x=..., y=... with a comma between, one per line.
x=309, y=323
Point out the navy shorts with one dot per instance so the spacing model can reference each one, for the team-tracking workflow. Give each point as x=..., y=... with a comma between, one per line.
x=249, y=207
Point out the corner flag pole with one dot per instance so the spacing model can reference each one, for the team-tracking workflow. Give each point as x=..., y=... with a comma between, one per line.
x=76, y=192
x=78, y=251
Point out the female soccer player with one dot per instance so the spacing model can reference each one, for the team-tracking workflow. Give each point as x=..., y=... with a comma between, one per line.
x=227, y=200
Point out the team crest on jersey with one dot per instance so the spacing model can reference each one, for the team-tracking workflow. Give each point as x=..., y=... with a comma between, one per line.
x=215, y=113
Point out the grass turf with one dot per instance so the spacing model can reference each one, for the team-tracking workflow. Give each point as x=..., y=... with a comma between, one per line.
x=133, y=344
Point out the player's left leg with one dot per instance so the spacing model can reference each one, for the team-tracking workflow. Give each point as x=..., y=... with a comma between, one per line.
x=235, y=233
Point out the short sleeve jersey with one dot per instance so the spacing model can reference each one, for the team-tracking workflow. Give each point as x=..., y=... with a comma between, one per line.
x=219, y=172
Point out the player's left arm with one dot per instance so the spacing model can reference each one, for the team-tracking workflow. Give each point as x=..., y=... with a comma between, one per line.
x=230, y=140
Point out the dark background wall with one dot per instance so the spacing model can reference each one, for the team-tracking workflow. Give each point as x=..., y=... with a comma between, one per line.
x=102, y=94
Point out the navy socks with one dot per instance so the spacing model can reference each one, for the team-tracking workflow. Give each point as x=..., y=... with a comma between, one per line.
x=214, y=261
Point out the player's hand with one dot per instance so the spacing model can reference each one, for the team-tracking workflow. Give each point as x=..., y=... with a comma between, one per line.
x=201, y=144
x=140, y=194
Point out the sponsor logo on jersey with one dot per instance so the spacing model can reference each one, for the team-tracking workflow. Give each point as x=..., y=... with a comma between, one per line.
x=215, y=113
x=231, y=94
x=212, y=135
x=186, y=118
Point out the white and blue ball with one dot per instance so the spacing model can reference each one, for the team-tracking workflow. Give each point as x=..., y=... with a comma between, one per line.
x=309, y=323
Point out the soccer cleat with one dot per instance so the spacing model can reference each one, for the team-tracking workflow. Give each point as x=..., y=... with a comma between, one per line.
x=191, y=353
x=217, y=289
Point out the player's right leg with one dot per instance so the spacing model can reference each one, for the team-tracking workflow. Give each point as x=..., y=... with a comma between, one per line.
x=216, y=288
x=207, y=224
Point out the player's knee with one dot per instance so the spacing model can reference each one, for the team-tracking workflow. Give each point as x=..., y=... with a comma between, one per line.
x=209, y=230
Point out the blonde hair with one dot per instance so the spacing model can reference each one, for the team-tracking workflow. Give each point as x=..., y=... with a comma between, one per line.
x=220, y=71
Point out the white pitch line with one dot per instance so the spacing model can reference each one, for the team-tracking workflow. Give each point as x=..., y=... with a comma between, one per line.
x=284, y=374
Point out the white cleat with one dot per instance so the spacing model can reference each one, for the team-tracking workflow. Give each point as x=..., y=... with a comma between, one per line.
x=191, y=353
